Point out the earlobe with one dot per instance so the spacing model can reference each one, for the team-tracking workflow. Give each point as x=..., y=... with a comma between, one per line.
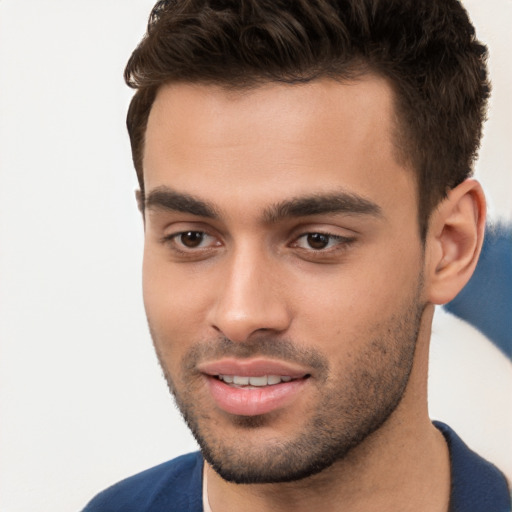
x=454, y=241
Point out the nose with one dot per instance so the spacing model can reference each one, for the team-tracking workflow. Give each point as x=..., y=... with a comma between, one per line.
x=250, y=298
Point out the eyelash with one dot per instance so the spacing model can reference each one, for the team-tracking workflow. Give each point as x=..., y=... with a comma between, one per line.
x=341, y=243
x=180, y=248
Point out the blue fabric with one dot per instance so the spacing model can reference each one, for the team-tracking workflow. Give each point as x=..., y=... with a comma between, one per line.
x=486, y=301
x=176, y=486
x=477, y=485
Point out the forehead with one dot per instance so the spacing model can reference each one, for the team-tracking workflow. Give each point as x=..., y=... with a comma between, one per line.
x=276, y=140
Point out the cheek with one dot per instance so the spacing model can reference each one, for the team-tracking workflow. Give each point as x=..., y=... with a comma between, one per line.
x=174, y=306
x=353, y=302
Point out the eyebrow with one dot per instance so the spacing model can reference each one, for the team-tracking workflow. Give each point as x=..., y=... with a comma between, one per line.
x=318, y=204
x=164, y=198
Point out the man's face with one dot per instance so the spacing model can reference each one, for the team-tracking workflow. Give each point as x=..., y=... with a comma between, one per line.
x=282, y=269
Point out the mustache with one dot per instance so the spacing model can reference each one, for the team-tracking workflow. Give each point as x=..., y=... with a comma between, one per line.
x=262, y=346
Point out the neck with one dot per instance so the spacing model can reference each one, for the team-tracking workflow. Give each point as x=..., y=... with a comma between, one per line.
x=402, y=466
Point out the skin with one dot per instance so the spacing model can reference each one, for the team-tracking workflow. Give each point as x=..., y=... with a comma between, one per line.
x=362, y=305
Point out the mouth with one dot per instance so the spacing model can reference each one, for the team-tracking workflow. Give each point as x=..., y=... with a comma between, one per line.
x=253, y=387
x=254, y=382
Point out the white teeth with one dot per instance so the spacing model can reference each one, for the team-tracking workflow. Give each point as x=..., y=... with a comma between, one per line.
x=259, y=381
x=273, y=379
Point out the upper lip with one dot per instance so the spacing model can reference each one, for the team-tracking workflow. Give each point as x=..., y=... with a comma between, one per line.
x=252, y=368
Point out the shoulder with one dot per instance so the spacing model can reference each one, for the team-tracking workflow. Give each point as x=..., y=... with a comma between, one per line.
x=477, y=485
x=172, y=486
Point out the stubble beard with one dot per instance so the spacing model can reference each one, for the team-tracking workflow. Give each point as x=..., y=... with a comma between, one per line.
x=352, y=406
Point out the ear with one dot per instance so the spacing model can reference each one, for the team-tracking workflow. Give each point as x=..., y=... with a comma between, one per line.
x=454, y=241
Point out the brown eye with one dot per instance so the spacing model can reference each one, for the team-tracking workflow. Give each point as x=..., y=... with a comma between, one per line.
x=192, y=239
x=318, y=240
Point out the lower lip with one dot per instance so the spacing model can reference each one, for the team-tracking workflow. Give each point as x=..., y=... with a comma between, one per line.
x=253, y=401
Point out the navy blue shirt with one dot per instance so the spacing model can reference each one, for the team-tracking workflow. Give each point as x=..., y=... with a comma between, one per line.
x=176, y=486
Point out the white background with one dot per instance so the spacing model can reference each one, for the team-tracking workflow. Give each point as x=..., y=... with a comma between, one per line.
x=82, y=400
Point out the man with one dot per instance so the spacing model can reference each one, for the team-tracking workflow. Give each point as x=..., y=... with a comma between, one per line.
x=304, y=182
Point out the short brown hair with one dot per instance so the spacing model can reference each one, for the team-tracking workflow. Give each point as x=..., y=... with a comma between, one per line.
x=426, y=48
